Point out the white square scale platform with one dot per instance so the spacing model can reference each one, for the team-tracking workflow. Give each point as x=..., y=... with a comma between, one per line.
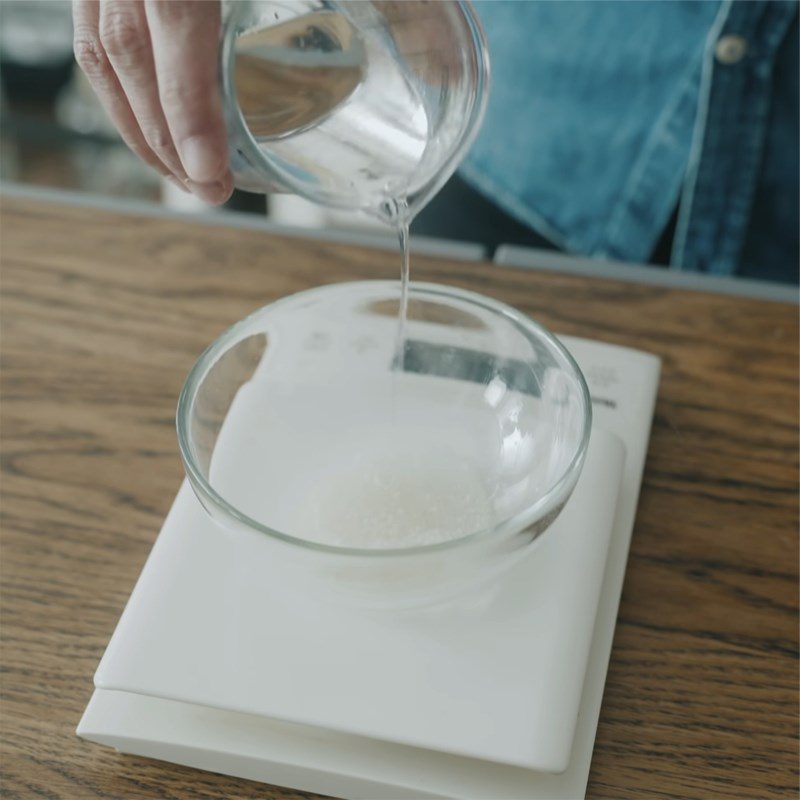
x=213, y=665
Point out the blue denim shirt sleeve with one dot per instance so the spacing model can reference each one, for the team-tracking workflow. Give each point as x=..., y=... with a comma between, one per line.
x=604, y=117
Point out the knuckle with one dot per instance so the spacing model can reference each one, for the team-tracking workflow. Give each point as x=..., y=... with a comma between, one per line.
x=89, y=54
x=121, y=36
x=171, y=12
x=183, y=94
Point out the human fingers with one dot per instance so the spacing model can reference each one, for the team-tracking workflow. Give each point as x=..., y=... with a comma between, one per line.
x=93, y=61
x=125, y=37
x=185, y=37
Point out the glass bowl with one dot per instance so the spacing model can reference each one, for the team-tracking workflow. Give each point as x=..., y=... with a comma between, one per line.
x=396, y=469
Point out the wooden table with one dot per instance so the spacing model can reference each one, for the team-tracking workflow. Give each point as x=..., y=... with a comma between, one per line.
x=103, y=314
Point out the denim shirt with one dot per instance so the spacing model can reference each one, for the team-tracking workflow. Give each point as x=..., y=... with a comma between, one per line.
x=607, y=117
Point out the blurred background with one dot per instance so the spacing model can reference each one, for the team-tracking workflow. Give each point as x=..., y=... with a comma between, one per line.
x=52, y=130
x=53, y=133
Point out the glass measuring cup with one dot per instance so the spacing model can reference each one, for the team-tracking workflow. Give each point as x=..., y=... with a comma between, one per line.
x=351, y=104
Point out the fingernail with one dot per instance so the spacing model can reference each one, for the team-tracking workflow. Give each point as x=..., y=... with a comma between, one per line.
x=201, y=158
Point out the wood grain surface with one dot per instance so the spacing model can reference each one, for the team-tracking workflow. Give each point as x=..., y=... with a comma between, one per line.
x=104, y=313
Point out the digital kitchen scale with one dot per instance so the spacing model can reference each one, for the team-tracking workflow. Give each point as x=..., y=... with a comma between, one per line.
x=219, y=664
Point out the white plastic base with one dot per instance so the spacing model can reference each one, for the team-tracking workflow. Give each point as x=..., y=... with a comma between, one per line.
x=224, y=714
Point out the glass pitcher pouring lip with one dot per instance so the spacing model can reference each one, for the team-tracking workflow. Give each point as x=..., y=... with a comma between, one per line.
x=351, y=104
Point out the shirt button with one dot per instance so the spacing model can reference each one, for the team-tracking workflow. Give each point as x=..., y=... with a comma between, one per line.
x=730, y=49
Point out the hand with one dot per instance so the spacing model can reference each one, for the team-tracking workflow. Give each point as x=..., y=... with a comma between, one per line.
x=153, y=65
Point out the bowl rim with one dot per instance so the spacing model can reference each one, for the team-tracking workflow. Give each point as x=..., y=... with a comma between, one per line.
x=550, y=501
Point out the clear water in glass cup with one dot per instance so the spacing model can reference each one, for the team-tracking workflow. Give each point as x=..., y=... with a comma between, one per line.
x=352, y=104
